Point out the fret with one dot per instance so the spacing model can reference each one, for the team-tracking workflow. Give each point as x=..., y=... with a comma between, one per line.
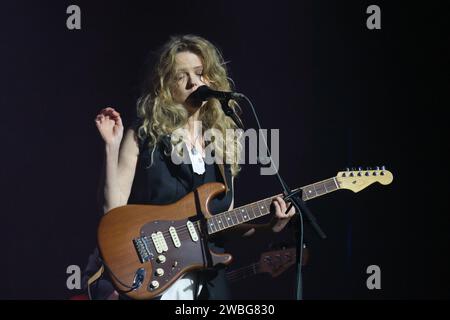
x=221, y=221
x=336, y=183
x=218, y=223
x=261, y=208
x=304, y=196
x=330, y=185
x=244, y=213
x=320, y=189
x=212, y=226
x=239, y=216
x=210, y=230
x=309, y=192
x=235, y=217
x=268, y=203
x=228, y=218
x=257, y=210
x=224, y=220
x=251, y=211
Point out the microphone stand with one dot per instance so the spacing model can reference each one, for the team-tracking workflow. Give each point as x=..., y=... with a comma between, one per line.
x=295, y=197
x=231, y=112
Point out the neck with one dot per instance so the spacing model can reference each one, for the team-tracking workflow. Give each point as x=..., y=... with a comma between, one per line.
x=191, y=123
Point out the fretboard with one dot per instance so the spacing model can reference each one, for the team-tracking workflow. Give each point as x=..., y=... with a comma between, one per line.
x=261, y=208
x=243, y=272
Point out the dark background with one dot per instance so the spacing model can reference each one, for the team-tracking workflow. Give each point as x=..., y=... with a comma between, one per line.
x=341, y=95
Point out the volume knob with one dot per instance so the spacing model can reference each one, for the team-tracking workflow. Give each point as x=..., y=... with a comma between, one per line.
x=154, y=284
x=161, y=259
x=159, y=272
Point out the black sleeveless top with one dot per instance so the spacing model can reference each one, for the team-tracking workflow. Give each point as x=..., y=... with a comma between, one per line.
x=164, y=182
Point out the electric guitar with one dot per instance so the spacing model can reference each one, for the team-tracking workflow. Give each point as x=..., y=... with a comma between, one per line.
x=272, y=262
x=146, y=248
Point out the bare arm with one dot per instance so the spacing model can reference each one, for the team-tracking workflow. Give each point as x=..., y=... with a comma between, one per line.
x=120, y=161
x=120, y=169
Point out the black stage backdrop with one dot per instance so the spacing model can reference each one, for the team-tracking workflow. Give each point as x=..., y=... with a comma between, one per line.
x=342, y=96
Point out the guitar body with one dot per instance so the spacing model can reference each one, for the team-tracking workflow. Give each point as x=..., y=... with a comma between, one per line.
x=154, y=245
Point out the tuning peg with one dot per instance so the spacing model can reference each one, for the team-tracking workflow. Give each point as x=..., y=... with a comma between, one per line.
x=367, y=173
x=377, y=168
x=359, y=168
x=368, y=168
x=382, y=172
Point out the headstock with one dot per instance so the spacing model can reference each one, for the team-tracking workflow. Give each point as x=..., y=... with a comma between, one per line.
x=358, y=179
x=278, y=261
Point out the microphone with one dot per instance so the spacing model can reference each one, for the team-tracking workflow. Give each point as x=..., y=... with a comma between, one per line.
x=204, y=93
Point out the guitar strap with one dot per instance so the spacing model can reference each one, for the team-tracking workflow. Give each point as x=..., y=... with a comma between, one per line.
x=93, y=279
x=198, y=180
x=224, y=177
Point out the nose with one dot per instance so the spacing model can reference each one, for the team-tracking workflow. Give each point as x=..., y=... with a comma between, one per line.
x=194, y=81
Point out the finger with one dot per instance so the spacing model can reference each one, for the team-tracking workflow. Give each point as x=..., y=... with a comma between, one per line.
x=291, y=211
x=104, y=110
x=119, y=121
x=280, y=212
x=277, y=209
x=115, y=117
x=113, y=113
x=108, y=111
x=282, y=204
x=99, y=118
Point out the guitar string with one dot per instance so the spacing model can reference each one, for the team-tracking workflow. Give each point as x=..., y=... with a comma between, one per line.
x=183, y=230
x=236, y=274
x=252, y=206
x=218, y=216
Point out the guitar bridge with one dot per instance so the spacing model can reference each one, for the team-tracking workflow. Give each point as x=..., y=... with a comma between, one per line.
x=142, y=249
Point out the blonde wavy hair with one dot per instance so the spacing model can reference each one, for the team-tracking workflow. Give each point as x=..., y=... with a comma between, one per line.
x=160, y=115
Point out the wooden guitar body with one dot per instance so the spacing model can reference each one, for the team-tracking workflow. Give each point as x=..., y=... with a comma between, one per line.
x=126, y=244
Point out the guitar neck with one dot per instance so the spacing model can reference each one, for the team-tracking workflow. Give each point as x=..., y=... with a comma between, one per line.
x=243, y=272
x=261, y=208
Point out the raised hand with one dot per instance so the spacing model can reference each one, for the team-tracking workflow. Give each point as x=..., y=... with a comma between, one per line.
x=110, y=126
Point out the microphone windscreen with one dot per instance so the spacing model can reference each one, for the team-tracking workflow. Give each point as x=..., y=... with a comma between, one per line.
x=201, y=94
